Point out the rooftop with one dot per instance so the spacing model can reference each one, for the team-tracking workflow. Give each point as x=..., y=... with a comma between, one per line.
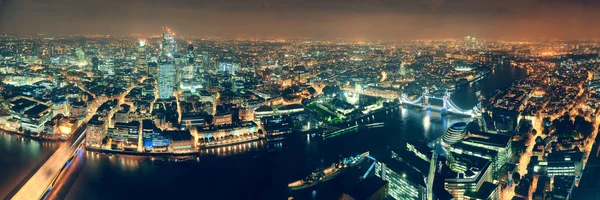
x=484, y=191
x=497, y=140
x=264, y=109
x=20, y=104
x=475, y=169
x=37, y=110
x=291, y=107
x=130, y=124
x=366, y=188
x=404, y=169
x=178, y=135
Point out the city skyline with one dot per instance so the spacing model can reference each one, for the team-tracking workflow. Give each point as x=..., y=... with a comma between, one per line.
x=300, y=99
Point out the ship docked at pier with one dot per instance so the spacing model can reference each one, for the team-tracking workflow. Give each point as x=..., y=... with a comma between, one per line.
x=322, y=174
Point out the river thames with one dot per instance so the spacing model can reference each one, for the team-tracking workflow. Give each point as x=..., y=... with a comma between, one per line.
x=257, y=170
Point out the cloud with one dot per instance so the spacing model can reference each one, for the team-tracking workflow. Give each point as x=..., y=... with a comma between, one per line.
x=399, y=19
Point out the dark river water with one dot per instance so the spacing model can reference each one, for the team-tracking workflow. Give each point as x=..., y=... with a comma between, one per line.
x=257, y=170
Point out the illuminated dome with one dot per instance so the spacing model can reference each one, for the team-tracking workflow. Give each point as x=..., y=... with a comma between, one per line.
x=455, y=133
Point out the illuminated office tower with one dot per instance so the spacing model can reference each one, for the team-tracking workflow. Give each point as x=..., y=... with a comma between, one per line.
x=96, y=63
x=188, y=72
x=141, y=62
x=153, y=68
x=402, y=70
x=80, y=58
x=467, y=174
x=96, y=130
x=226, y=66
x=166, y=80
x=461, y=164
x=106, y=66
x=494, y=147
x=190, y=49
x=405, y=183
x=166, y=66
x=191, y=61
x=168, y=47
x=205, y=61
x=179, y=65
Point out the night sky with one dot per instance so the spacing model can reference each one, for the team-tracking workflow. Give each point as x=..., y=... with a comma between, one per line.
x=368, y=19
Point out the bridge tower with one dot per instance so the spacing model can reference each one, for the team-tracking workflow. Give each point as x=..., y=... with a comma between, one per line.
x=425, y=98
x=478, y=111
x=445, y=103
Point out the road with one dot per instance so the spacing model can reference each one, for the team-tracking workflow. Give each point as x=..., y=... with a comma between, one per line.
x=77, y=82
x=537, y=126
x=41, y=182
x=121, y=98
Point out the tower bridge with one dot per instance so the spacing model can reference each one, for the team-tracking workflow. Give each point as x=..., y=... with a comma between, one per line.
x=448, y=106
x=423, y=101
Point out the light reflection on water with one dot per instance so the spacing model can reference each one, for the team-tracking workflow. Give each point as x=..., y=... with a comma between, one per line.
x=235, y=149
x=18, y=157
x=426, y=123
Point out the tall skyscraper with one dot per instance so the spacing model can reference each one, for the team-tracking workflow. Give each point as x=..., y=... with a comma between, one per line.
x=191, y=55
x=168, y=47
x=95, y=63
x=188, y=71
x=402, y=70
x=227, y=66
x=166, y=79
x=166, y=71
x=106, y=66
x=190, y=48
x=141, y=62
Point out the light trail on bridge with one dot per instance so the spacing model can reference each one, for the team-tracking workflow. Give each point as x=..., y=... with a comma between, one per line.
x=41, y=182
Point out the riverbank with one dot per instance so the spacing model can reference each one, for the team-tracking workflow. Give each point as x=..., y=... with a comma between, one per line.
x=20, y=134
x=182, y=153
x=33, y=137
x=475, y=79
